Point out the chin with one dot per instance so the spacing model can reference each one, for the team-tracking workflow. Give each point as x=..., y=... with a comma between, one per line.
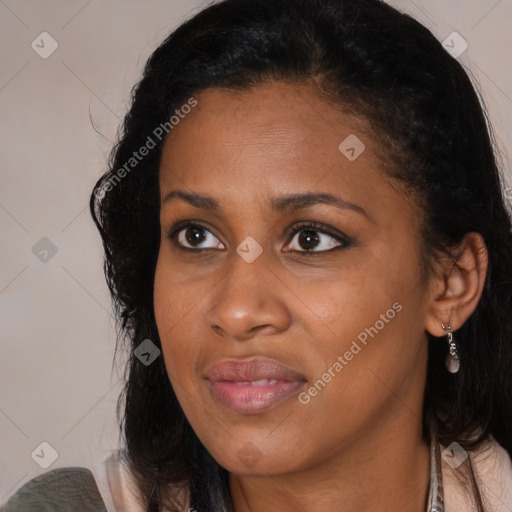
x=259, y=457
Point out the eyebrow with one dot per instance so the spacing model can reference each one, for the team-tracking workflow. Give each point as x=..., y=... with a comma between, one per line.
x=279, y=204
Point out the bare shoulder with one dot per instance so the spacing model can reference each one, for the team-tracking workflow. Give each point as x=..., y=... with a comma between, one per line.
x=70, y=489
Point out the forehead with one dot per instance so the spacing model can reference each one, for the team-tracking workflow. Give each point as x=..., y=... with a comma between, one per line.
x=269, y=140
x=274, y=113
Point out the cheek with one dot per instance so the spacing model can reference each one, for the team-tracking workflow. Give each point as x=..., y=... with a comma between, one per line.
x=371, y=314
x=176, y=295
x=180, y=303
x=173, y=302
x=346, y=299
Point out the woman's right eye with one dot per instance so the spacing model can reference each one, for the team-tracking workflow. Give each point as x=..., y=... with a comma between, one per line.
x=192, y=236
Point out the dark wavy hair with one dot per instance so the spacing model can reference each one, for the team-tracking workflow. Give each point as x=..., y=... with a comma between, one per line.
x=434, y=139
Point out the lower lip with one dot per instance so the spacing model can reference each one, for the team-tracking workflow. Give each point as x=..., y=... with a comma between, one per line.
x=249, y=399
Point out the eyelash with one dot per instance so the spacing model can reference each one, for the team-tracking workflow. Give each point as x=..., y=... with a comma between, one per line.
x=320, y=228
x=304, y=226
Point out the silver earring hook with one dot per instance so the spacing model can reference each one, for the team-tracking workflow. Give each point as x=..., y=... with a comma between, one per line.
x=452, y=359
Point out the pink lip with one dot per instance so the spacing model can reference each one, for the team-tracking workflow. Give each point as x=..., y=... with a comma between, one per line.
x=232, y=383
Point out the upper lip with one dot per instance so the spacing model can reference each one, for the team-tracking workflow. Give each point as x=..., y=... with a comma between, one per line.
x=251, y=370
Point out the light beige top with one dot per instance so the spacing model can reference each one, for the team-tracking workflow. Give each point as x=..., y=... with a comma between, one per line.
x=492, y=465
x=493, y=473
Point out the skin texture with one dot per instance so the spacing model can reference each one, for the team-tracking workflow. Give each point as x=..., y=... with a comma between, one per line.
x=356, y=445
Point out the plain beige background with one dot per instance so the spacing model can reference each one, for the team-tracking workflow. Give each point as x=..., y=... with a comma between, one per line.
x=57, y=333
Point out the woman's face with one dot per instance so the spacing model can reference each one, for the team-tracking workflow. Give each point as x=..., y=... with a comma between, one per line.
x=287, y=350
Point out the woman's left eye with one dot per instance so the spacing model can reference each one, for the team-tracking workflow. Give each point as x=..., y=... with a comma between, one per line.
x=315, y=238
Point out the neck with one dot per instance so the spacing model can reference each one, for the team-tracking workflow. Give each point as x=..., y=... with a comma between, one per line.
x=383, y=469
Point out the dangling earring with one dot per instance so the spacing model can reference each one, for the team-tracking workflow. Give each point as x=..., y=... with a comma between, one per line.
x=452, y=359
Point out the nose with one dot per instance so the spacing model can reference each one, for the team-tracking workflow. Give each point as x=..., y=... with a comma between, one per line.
x=249, y=301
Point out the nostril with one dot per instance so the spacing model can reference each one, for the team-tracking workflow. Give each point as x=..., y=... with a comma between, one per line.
x=217, y=329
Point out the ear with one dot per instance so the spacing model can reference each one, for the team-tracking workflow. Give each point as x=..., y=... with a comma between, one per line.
x=456, y=286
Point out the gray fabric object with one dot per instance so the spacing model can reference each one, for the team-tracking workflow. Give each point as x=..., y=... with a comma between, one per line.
x=70, y=489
